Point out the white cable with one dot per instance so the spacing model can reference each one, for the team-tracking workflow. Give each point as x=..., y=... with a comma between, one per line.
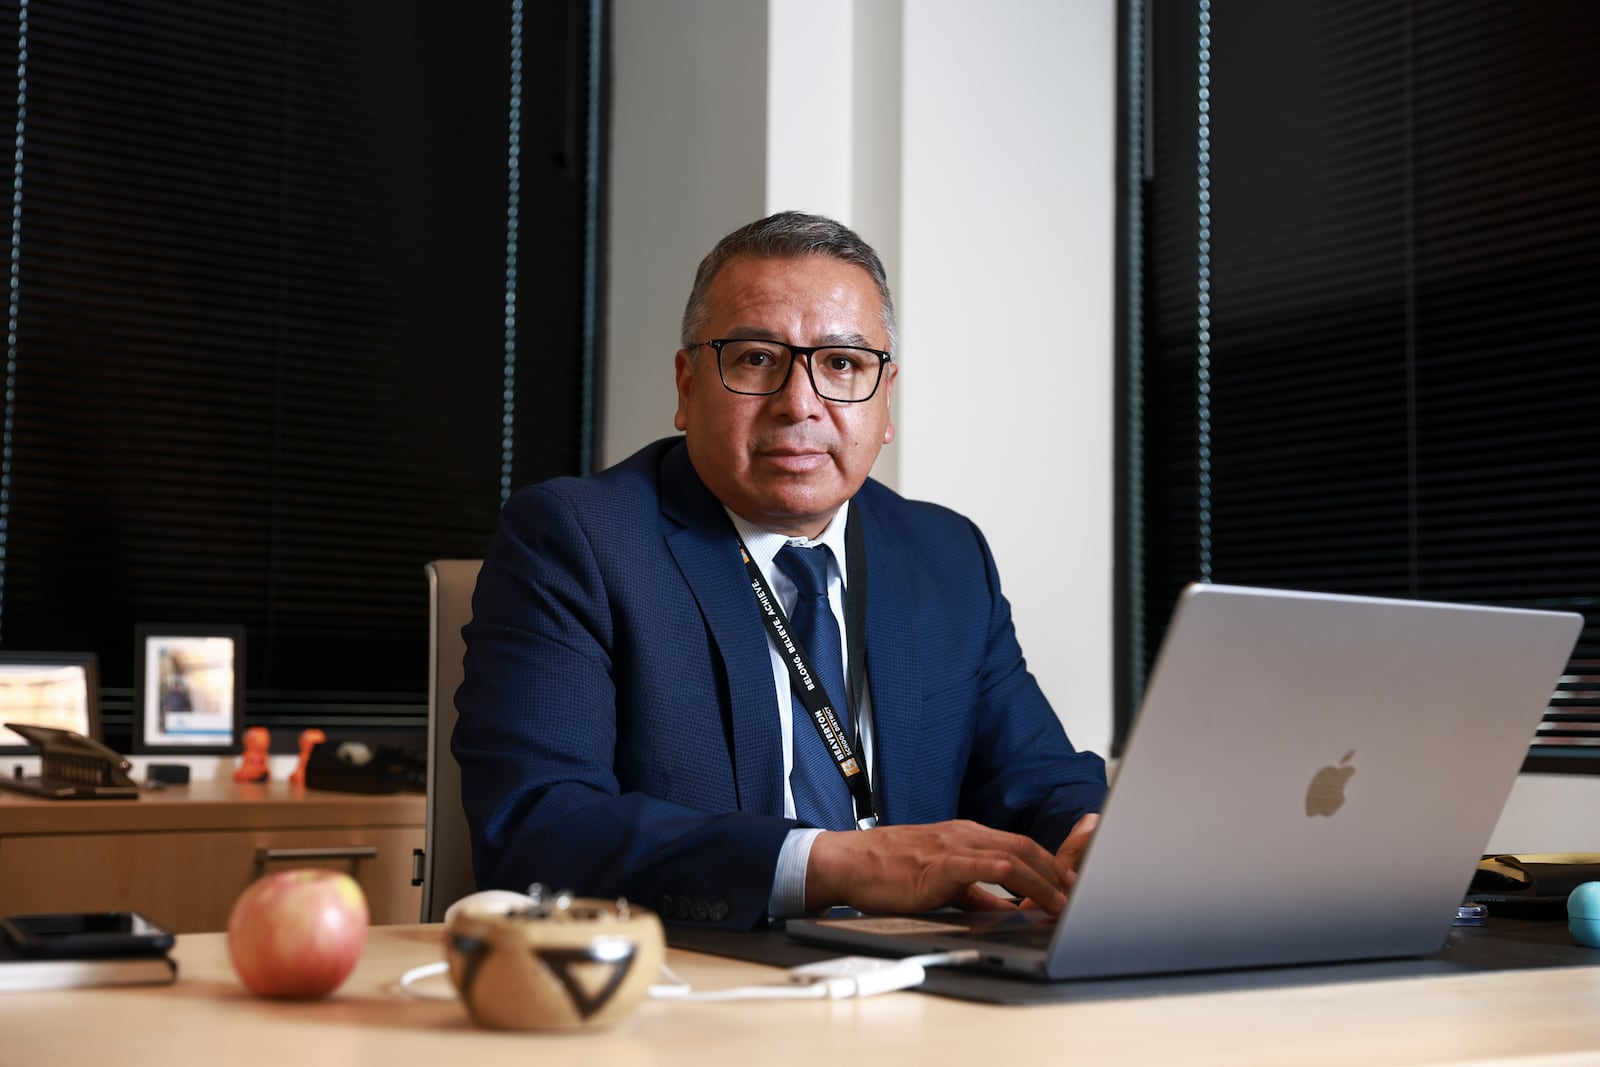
x=749, y=992
x=858, y=976
x=953, y=958
x=409, y=980
x=832, y=979
x=673, y=987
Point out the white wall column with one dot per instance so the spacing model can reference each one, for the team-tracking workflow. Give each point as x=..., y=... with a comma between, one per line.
x=1008, y=210
x=973, y=146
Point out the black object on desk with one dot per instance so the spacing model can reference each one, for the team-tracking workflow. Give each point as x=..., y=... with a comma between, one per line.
x=85, y=934
x=1532, y=885
x=1500, y=945
x=168, y=773
x=353, y=767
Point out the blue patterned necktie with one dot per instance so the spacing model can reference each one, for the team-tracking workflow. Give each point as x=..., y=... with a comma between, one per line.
x=821, y=798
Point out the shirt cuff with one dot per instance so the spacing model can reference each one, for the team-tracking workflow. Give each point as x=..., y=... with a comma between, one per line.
x=788, y=899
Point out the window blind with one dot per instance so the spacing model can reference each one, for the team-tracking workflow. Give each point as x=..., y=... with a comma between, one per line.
x=1362, y=297
x=295, y=289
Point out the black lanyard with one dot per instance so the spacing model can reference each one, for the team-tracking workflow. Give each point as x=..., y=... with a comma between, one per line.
x=814, y=697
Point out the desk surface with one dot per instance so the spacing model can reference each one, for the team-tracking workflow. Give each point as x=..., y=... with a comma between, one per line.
x=209, y=805
x=1546, y=1017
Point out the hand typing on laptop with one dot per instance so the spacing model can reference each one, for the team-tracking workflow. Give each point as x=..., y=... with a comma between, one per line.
x=1254, y=696
x=903, y=869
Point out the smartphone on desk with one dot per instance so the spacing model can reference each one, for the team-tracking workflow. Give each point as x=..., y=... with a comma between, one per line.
x=85, y=935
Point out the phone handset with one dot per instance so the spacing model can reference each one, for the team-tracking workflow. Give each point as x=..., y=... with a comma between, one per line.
x=73, y=758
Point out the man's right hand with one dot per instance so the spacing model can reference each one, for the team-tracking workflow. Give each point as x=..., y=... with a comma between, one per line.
x=903, y=869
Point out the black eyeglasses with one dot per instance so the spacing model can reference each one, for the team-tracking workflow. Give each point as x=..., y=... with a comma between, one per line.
x=843, y=374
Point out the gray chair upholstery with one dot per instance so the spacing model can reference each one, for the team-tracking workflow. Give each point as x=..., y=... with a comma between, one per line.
x=447, y=847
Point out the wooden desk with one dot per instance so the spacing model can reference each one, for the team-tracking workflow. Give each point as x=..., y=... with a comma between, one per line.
x=1525, y=1017
x=183, y=854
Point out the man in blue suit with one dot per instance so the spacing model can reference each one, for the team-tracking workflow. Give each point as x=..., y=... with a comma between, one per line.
x=661, y=703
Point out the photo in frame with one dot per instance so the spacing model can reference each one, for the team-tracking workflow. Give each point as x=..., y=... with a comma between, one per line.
x=188, y=689
x=55, y=689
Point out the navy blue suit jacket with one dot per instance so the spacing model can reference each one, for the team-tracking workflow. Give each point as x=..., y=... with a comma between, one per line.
x=618, y=734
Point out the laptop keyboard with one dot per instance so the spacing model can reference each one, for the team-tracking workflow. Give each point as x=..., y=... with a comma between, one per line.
x=1023, y=933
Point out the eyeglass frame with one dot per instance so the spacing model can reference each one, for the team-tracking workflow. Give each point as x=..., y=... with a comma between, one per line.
x=795, y=352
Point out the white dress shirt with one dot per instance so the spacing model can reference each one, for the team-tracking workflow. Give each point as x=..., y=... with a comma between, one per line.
x=789, y=881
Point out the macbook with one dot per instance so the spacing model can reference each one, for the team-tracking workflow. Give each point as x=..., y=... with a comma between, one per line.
x=1311, y=777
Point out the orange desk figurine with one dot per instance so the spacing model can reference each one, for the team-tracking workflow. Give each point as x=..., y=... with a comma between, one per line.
x=253, y=768
x=309, y=739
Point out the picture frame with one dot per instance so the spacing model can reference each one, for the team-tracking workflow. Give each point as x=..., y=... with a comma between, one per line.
x=57, y=689
x=188, y=690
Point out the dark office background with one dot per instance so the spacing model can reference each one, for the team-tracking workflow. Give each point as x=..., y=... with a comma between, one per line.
x=1361, y=313
x=283, y=327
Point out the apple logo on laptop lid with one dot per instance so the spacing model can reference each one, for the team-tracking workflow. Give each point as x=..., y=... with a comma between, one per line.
x=1326, y=793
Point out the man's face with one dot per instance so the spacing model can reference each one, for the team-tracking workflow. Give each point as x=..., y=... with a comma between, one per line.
x=787, y=461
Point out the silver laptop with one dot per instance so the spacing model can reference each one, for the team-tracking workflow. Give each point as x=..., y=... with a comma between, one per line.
x=1311, y=778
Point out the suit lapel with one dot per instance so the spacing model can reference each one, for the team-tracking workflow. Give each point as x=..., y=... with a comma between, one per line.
x=706, y=548
x=894, y=671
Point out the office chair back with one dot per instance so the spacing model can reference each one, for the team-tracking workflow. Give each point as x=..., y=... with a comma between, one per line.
x=447, y=846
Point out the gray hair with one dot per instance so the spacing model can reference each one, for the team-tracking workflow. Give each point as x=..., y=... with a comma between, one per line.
x=786, y=235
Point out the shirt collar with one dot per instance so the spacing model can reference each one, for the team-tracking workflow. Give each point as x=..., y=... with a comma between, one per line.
x=764, y=544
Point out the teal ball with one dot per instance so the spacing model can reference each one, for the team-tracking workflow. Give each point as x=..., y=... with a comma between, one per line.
x=1583, y=914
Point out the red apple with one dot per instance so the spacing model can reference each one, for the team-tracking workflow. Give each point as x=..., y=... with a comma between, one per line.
x=297, y=934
